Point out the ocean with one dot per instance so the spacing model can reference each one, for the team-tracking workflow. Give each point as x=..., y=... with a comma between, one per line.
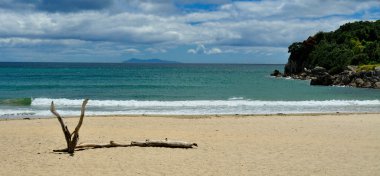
x=27, y=89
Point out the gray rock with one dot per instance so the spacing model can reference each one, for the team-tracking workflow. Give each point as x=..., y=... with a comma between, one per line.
x=303, y=76
x=276, y=73
x=325, y=80
x=376, y=85
x=377, y=70
x=359, y=82
x=352, y=68
x=318, y=70
x=367, y=84
x=346, y=79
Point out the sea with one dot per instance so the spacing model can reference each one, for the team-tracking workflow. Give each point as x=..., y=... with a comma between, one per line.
x=27, y=90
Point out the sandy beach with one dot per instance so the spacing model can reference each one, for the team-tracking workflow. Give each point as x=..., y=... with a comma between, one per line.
x=345, y=144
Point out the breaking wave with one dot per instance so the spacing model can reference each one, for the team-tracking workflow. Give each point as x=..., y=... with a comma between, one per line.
x=39, y=107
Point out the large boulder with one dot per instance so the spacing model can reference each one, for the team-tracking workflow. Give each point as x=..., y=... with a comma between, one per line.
x=318, y=71
x=343, y=78
x=376, y=85
x=324, y=80
x=367, y=84
x=359, y=82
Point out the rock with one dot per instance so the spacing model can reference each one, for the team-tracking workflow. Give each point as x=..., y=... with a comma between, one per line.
x=367, y=84
x=307, y=71
x=377, y=85
x=352, y=84
x=359, y=82
x=349, y=77
x=352, y=68
x=318, y=71
x=338, y=80
x=345, y=79
x=377, y=70
x=276, y=73
x=325, y=80
x=303, y=76
x=294, y=66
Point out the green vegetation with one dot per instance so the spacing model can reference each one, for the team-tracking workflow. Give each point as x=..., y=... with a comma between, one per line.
x=370, y=67
x=355, y=43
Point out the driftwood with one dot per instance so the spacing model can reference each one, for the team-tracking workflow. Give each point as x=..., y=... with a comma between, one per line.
x=146, y=143
x=71, y=138
x=163, y=143
x=90, y=146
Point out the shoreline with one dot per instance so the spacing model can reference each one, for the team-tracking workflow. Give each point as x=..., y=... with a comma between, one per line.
x=185, y=116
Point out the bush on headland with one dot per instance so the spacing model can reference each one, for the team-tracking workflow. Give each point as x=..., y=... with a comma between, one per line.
x=354, y=44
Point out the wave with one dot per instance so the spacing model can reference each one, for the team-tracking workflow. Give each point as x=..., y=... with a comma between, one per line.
x=39, y=107
x=16, y=102
x=239, y=101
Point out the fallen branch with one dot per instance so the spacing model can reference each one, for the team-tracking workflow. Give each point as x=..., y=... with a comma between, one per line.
x=91, y=146
x=163, y=143
x=71, y=138
x=146, y=143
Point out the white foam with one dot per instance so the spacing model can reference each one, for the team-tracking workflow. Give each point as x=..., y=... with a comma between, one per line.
x=232, y=102
x=235, y=105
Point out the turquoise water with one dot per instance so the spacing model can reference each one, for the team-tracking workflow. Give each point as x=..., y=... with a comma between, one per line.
x=26, y=89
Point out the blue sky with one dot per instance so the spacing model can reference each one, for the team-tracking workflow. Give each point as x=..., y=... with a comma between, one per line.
x=190, y=31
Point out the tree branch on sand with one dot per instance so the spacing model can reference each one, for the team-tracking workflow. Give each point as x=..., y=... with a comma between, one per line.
x=72, y=138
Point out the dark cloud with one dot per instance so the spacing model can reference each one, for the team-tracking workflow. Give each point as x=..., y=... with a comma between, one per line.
x=57, y=6
x=73, y=5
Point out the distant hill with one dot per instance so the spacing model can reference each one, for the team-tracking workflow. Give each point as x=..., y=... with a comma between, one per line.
x=149, y=61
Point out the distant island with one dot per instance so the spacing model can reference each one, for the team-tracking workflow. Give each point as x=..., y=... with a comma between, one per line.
x=349, y=56
x=149, y=61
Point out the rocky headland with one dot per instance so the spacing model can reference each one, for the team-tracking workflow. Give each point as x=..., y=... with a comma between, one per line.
x=349, y=77
x=349, y=56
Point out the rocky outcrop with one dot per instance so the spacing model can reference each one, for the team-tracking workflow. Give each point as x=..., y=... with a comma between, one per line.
x=276, y=73
x=349, y=77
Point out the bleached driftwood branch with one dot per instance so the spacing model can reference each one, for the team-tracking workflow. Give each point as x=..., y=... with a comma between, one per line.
x=163, y=143
x=146, y=143
x=71, y=138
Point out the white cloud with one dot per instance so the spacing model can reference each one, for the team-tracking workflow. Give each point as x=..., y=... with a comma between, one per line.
x=156, y=25
x=257, y=23
x=201, y=49
x=132, y=51
x=156, y=50
x=214, y=51
x=19, y=41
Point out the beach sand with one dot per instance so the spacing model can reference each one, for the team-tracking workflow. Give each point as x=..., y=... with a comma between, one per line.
x=345, y=144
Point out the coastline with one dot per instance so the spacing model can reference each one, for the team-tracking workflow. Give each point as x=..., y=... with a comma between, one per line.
x=186, y=116
x=285, y=144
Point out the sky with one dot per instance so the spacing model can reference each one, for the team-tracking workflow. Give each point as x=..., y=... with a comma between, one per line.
x=189, y=31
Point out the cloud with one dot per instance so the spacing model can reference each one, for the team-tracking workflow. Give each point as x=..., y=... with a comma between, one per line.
x=201, y=49
x=57, y=6
x=287, y=9
x=16, y=41
x=155, y=25
x=156, y=50
x=253, y=23
x=132, y=51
